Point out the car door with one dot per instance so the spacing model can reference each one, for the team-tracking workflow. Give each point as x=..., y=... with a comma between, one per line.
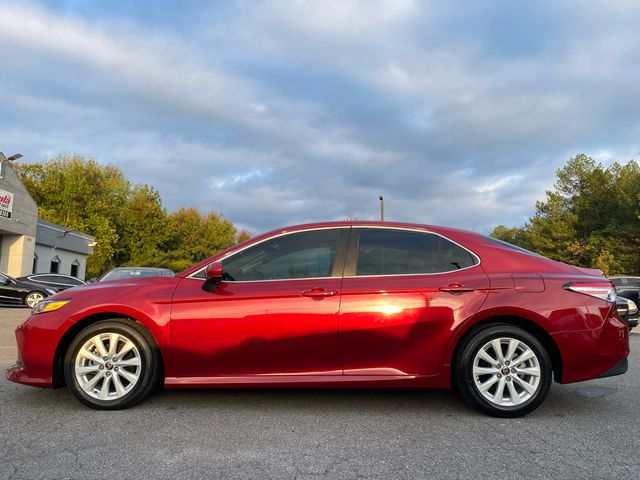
x=275, y=312
x=402, y=293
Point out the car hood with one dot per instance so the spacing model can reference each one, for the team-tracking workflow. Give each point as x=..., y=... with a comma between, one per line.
x=114, y=288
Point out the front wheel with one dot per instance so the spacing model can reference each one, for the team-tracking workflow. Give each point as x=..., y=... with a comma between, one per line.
x=504, y=371
x=111, y=365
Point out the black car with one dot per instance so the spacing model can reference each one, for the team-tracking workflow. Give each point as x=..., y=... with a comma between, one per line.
x=54, y=281
x=22, y=292
x=627, y=287
x=119, y=273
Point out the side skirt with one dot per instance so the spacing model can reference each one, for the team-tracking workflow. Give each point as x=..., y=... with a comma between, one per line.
x=310, y=381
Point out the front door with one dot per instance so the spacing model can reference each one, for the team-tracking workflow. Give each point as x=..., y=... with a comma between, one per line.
x=402, y=294
x=275, y=312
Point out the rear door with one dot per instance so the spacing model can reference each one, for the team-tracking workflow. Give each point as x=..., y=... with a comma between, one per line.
x=402, y=294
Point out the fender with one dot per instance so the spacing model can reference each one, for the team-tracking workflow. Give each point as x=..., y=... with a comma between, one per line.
x=155, y=318
x=488, y=313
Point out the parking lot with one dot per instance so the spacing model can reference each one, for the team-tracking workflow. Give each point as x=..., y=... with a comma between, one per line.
x=587, y=430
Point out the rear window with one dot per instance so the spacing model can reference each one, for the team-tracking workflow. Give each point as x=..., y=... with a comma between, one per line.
x=511, y=246
x=399, y=252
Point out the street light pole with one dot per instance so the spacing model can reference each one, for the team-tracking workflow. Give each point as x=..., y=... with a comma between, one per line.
x=4, y=159
x=381, y=208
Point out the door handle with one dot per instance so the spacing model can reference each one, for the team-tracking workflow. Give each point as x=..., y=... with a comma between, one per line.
x=457, y=288
x=318, y=293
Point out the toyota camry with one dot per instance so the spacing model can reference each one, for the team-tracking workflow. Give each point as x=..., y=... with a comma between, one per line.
x=340, y=304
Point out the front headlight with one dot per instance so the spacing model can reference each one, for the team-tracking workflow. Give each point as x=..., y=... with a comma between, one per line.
x=50, y=305
x=633, y=308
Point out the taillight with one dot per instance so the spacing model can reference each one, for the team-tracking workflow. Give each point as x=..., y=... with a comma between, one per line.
x=601, y=290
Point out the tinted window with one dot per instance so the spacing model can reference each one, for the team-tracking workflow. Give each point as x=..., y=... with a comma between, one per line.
x=135, y=273
x=394, y=252
x=299, y=255
x=502, y=243
x=47, y=278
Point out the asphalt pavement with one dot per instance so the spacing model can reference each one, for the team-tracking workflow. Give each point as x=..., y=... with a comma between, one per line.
x=587, y=430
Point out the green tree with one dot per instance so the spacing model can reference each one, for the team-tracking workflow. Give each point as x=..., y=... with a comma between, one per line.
x=591, y=218
x=129, y=222
x=194, y=236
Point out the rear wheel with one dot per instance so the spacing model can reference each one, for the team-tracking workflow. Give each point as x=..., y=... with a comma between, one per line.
x=111, y=365
x=504, y=371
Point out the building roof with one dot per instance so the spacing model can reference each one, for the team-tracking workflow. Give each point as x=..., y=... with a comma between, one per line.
x=57, y=236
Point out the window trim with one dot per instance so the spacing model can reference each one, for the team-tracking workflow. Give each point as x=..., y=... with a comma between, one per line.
x=352, y=254
x=339, y=261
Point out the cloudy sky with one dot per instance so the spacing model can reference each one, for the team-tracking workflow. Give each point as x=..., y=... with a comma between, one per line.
x=283, y=112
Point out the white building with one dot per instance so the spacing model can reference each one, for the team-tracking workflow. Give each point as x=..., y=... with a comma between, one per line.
x=60, y=250
x=29, y=245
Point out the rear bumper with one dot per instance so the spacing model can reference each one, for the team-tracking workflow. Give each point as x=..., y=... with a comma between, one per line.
x=589, y=354
x=618, y=369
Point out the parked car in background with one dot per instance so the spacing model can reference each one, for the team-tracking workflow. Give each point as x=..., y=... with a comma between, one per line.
x=360, y=304
x=54, y=281
x=22, y=292
x=628, y=311
x=628, y=287
x=119, y=273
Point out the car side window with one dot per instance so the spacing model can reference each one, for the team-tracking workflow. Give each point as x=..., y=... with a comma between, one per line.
x=298, y=255
x=400, y=252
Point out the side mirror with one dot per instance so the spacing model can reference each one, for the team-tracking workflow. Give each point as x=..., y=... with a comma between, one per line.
x=92, y=280
x=214, y=277
x=6, y=281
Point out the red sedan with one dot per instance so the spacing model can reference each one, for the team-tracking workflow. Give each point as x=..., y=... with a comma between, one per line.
x=341, y=304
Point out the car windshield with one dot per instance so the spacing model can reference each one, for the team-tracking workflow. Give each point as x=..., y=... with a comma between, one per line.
x=133, y=273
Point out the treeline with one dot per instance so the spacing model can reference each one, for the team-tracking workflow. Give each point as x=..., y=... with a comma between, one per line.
x=128, y=220
x=591, y=218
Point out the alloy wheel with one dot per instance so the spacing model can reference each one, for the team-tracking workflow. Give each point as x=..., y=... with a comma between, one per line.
x=108, y=366
x=33, y=299
x=506, y=372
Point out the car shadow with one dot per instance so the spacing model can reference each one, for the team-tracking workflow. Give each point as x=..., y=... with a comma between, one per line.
x=577, y=401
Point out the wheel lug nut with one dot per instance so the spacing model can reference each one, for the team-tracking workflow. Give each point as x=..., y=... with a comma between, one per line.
x=507, y=363
x=115, y=368
x=499, y=376
x=508, y=379
x=100, y=367
x=513, y=370
x=498, y=366
x=114, y=359
x=108, y=374
x=105, y=358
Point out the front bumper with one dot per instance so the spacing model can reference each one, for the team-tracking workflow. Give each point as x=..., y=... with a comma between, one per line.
x=37, y=340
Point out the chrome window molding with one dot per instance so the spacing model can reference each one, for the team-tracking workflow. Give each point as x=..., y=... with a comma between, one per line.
x=419, y=230
x=282, y=234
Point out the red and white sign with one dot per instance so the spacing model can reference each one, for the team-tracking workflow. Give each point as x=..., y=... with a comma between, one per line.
x=6, y=204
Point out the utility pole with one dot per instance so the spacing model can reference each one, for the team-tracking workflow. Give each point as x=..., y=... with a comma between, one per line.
x=381, y=208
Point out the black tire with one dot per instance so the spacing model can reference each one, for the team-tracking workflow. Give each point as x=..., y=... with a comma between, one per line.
x=466, y=383
x=150, y=363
